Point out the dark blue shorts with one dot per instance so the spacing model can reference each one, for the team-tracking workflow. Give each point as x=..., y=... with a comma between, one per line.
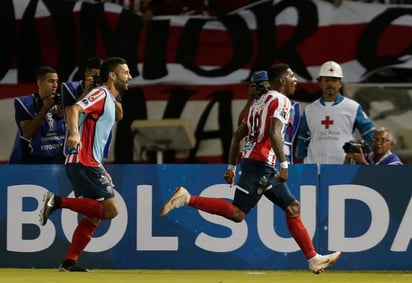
x=257, y=179
x=89, y=182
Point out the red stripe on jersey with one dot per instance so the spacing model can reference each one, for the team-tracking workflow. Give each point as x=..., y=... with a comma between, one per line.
x=93, y=106
x=87, y=139
x=72, y=158
x=259, y=122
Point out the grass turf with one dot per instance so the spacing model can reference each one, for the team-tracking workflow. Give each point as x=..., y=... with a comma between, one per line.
x=11, y=275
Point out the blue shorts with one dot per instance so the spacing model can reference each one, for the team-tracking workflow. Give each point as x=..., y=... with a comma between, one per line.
x=89, y=182
x=257, y=179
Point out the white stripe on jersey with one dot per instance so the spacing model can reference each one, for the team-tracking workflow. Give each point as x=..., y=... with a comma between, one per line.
x=271, y=105
x=72, y=158
x=94, y=96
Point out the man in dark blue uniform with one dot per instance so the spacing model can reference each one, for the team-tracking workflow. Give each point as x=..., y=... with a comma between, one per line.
x=39, y=117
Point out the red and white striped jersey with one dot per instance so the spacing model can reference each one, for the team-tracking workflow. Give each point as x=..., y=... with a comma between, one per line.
x=257, y=146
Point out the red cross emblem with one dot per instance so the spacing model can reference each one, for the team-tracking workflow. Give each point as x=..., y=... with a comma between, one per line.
x=327, y=122
x=331, y=70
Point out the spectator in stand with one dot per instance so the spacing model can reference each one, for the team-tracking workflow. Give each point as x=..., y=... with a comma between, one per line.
x=330, y=121
x=40, y=122
x=381, y=154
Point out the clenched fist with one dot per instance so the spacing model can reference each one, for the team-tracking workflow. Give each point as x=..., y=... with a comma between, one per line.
x=230, y=176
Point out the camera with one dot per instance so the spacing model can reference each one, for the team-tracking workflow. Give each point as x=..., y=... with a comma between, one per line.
x=355, y=146
x=57, y=98
x=97, y=79
x=261, y=88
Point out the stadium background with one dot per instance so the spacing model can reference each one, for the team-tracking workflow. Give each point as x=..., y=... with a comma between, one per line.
x=196, y=69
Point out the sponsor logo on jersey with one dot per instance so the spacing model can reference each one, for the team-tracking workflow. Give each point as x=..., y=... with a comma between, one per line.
x=95, y=95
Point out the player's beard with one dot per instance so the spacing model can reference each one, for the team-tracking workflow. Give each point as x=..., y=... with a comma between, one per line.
x=121, y=85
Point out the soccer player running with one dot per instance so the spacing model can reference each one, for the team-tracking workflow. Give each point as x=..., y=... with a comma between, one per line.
x=73, y=91
x=264, y=127
x=90, y=121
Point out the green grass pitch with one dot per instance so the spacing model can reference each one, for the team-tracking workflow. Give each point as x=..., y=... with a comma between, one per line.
x=11, y=275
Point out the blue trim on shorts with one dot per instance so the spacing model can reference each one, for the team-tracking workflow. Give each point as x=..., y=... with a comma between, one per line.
x=256, y=179
x=89, y=182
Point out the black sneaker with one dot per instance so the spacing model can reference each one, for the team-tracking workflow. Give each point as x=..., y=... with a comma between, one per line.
x=49, y=206
x=70, y=265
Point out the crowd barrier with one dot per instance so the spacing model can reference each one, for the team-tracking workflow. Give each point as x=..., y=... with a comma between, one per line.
x=364, y=211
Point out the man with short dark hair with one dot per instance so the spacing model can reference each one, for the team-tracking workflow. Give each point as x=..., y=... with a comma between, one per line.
x=77, y=90
x=330, y=121
x=89, y=121
x=264, y=126
x=40, y=123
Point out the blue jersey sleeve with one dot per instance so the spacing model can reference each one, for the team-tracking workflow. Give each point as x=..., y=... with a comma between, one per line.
x=71, y=91
x=303, y=138
x=364, y=125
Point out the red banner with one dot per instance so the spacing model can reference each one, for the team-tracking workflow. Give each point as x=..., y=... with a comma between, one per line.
x=196, y=67
x=205, y=51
